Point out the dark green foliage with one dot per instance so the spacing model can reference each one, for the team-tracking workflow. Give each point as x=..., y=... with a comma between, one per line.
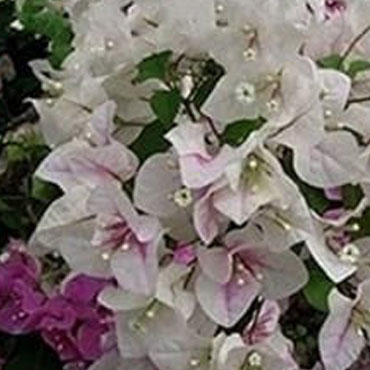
x=43, y=18
x=31, y=353
x=151, y=141
x=357, y=67
x=332, y=61
x=166, y=104
x=237, y=132
x=352, y=196
x=154, y=67
x=318, y=288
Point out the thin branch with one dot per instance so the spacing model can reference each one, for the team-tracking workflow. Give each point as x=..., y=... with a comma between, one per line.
x=361, y=99
x=211, y=125
x=189, y=110
x=353, y=44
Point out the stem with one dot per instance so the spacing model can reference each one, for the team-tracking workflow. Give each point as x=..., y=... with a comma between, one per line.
x=120, y=122
x=189, y=110
x=212, y=125
x=287, y=126
x=189, y=277
x=255, y=317
x=358, y=100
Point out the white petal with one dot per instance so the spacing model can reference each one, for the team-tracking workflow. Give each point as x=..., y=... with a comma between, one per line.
x=335, y=161
x=340, y=342
x=226, y=303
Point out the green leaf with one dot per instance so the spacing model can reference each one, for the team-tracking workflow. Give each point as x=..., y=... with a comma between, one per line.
x=42, y=17
x=315, y=197
x=150, y=141
x=357, y=67
x=59, y=51
x=44, y=191
x=165, y=105
x=154, y=67
x=15, y=153
x=352, y=196
x=237, y=132
x=332, y=61
x=318, y=288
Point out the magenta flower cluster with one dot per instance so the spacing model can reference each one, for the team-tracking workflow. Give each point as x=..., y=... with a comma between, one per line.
x=70, y=320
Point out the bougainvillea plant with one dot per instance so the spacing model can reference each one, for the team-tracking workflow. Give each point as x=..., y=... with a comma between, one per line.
x=209, y=162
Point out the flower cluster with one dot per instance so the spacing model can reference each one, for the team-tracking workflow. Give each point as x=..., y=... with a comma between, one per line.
x=263, y=106
x=70, y=319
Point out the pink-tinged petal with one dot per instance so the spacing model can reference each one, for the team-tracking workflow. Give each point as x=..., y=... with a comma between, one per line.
x=198, y=167
x=206, y=219
x=198, y=172
x=55, y=167
x=334, y=193
x=339, y=341
x=216, y=263
x=188, y=139
x=280, y=273
x=136, y=269
x=184, y=254
x=226, y=303
x=76, y=163
x=111, y=200
x=99, y=165
x=147, y=229
x=265, y=324
x=241, y=204
x=334, y=214
x=101, y=125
